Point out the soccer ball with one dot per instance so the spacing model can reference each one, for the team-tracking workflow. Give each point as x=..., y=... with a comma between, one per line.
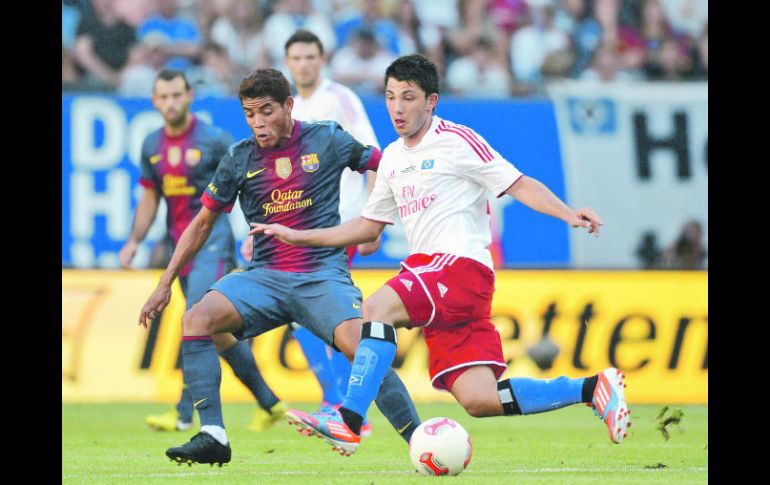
x=440, y=446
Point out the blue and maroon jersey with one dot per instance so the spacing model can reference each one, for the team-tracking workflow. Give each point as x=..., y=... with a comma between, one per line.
x=180, y=167
x=296, y=185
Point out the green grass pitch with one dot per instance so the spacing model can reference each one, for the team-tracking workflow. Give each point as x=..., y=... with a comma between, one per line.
x=109, y=443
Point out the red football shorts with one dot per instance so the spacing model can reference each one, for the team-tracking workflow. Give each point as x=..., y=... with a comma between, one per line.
x=450, y=297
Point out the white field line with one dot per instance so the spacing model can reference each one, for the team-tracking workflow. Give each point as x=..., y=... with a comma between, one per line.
x=314, y=473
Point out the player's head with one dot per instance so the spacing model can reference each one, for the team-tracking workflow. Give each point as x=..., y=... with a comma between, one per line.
x=304, y=58
x=171, y=96
x=266, y=101
x=411, y=93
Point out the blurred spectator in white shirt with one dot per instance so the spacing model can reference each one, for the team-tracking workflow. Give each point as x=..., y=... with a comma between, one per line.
x=479, y=74
x=687, y=16
x=215, y=76
x=414, y=35
x=239, y=32
x=361, y=65
x=288, y=16
x=146, y=60
x=532, y=44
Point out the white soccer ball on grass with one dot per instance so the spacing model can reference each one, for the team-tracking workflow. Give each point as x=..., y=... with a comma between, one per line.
x=440, y=446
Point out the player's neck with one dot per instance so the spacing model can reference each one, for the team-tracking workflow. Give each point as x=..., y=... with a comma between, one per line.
x=181, y=129
x=285, y=139
x=414, y=140
x=307, y=91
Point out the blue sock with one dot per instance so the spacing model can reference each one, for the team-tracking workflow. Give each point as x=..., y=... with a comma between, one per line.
x=532, y=396
x=342, y=370
x=373, y=358
x=185, y=405
x=395, y=403
x=241, y=359
x=318, y=356
x=203, y=376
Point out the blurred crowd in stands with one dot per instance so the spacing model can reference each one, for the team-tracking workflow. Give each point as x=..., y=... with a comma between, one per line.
x=484, y=48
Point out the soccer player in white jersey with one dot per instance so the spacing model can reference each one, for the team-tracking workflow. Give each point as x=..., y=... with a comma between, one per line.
x=435, y=178
x=320, y=99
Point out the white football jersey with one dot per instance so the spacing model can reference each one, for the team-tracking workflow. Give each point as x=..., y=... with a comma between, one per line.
x=439, y=190
x=333, y=101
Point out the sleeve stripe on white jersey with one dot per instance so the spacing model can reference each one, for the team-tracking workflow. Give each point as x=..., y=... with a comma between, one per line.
x=473, y=142
x=473, y=135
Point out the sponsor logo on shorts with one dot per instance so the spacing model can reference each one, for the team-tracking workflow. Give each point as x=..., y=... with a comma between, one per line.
x=406, y=283
x=442, y=289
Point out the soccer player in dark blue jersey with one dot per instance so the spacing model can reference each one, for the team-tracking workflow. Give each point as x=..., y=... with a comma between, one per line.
x=288, y=172
x=177, y=162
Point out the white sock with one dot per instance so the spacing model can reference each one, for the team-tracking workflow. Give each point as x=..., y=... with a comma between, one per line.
x=217, y=432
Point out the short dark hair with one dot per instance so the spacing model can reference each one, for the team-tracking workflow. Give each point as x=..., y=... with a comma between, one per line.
x=305, y=36
x=168, y=75
x=265, y=82
x=415, y=68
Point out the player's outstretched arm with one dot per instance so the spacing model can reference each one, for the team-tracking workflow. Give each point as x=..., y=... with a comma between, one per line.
x=367, y=248
x=535, y=195
x=355, y=231
x=145, y=213
x=191, y=241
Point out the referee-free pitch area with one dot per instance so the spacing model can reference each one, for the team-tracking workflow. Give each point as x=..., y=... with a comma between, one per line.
x=109, y=443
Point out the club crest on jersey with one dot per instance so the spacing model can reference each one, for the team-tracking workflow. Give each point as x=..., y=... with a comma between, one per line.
x=174, y=156
x=310, y=162
x=426, y=165
x=283, y=167
x=192, y=157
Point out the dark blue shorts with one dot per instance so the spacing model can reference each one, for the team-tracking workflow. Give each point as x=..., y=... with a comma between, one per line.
x=215, y=259
x=266, y=299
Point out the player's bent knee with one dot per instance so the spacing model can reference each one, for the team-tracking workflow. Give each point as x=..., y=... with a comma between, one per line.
x=195, y=322
x=478, y=408
x=346, y=337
